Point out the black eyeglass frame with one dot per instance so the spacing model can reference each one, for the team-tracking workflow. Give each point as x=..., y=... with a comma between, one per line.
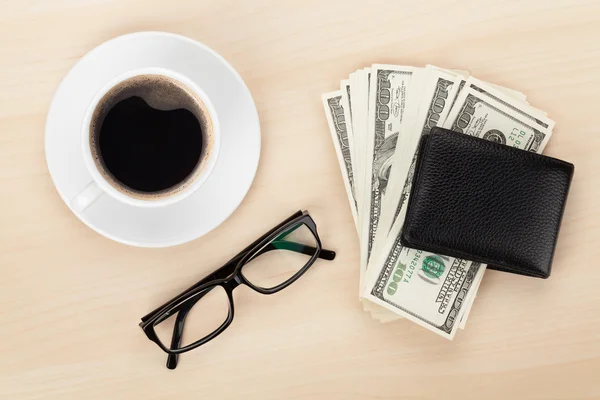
x=230, y=276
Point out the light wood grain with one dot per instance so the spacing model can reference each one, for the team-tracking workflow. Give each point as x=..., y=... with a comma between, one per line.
x=70, y=300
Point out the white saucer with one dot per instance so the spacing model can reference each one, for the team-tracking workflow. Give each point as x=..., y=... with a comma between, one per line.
x=238, y=156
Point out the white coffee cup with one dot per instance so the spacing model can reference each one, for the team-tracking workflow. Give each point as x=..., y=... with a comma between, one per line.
x=101, y=183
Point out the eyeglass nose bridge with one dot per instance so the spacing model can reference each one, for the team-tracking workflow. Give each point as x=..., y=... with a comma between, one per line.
x=233, y=282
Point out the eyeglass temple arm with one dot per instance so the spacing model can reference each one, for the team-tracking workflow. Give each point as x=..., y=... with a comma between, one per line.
x=298, y=248
x=173, y=359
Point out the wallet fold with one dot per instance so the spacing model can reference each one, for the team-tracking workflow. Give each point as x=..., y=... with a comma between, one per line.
x=483, y=201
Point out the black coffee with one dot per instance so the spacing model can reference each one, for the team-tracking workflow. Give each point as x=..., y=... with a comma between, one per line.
x=149, y=150
x=150, y=136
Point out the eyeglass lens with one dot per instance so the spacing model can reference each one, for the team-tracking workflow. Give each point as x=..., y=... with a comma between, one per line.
x=282, y=259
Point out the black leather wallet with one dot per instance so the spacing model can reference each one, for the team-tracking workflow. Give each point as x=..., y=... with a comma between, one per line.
x=487, y=202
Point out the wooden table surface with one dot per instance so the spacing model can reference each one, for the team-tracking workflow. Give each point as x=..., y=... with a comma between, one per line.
x=70, y=299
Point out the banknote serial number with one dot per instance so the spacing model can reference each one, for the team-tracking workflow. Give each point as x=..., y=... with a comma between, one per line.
x=403, y=273
x=516, y=135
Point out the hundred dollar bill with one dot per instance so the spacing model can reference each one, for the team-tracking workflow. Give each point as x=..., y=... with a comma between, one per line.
x=478, y=112
x=359, y=105
x=346, y=100
x=336, y=119
x=364, y=80
x=385, y=316
x=430, y=289
x=386, y=100
x=509, y=98
x=346, y=105
x=359, y=84
x=515, y=94
x=436, y=88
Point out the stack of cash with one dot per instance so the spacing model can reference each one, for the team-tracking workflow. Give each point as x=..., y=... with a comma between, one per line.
x=376, y=120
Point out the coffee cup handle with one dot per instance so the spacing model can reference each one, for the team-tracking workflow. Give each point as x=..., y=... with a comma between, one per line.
x=86, y=197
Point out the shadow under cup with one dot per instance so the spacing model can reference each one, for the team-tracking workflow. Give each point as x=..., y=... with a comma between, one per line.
x=151, y=137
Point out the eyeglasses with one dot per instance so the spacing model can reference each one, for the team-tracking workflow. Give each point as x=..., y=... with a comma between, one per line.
x=271, y=263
